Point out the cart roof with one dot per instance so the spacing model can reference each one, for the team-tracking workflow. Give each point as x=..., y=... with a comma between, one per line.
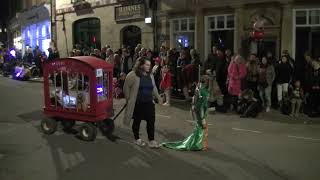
x=93, y=62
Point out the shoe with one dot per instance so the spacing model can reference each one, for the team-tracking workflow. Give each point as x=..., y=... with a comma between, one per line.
x=153, y=144
x=139, y=142
x=268, y=109
x=212, y=109
x=243, y=116
x=166, y=104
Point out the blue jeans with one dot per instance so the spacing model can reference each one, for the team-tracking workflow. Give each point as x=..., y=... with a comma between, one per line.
x=265, y=95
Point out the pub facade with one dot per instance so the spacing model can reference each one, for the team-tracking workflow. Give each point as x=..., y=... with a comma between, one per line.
x=248, y=26
x=97, y=23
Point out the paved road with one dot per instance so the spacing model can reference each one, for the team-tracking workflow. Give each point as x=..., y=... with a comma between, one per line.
x=271, y=147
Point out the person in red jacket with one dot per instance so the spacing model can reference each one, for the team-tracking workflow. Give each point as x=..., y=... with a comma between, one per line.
x=165, y=84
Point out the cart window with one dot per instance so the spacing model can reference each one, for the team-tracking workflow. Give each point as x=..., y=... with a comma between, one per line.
x=51, y=90
x=70, y=91
x=102, y=86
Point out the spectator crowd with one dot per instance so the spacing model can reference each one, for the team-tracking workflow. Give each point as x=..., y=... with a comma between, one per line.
x=246, y=86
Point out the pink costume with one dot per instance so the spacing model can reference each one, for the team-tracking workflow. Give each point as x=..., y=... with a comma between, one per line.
x=236, y=73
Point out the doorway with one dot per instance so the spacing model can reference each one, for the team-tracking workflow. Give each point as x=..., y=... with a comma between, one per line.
x=131, y=36
x=87, y=33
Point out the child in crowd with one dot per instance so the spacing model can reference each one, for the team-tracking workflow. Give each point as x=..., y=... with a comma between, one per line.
x=248, y=106
x=118, y=86
x=296, y=99
x=165, y=84
x=156, y=71
x=215, y=95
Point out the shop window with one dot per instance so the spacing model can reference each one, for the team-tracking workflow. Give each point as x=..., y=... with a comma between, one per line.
x=219, y=32
x=176, y=25
x=314, y=17
x=36, y=35
x=220, y=22
x=191, y=24
x=230, y=21
x=184, y=25
x=87, y=32
x=307, y=35
x=301, y=17
x=212, y=22
x=183, y=32
x=102, y=85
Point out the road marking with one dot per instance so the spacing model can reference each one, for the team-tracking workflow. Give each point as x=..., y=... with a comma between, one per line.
x=80, y=156
x=137, y=162
x=160, y=115
x=193, y=122
x=70, y=160
x=305, y=138
x=246, y=130
x=63, y=159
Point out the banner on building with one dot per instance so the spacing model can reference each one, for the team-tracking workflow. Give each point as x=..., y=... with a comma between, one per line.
x=130, y=12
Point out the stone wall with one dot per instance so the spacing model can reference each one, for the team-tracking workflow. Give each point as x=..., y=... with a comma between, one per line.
x=110, y=29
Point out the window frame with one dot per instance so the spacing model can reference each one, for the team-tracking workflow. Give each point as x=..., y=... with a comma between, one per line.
x=308, y=19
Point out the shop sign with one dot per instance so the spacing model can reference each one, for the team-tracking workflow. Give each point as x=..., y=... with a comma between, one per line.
x=131, y=12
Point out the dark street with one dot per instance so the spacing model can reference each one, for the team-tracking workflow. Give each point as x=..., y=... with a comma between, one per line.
x=270, y=147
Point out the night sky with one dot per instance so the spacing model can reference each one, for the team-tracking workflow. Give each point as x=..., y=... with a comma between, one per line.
x=4, y=10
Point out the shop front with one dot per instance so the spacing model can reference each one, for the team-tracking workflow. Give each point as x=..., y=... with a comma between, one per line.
x=36, y=28
x=106, y=23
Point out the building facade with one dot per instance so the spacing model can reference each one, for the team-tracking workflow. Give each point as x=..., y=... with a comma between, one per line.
x=30, y=24
x=230, y=24
x=95, y=24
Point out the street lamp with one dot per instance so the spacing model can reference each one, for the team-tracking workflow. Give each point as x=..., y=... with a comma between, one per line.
x=148, y=20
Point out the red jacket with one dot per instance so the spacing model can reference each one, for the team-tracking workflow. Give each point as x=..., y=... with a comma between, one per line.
x=166, y=81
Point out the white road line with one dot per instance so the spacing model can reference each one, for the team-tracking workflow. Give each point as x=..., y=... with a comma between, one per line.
x=160, y=115
x=63, y=159
x=305, y=138
x=72, y=160
x=193, y=122
x=246, y=130
x=80, y=156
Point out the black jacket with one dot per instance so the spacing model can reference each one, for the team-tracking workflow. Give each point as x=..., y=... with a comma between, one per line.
x=284, y=73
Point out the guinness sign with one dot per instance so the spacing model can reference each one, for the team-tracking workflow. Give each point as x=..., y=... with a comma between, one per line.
x=130, y=12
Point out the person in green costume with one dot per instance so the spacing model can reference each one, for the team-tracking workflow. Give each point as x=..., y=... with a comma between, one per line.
x=198, y=140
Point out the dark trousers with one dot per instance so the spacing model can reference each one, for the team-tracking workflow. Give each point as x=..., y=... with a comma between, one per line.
x=254, y=87
x=144, y=111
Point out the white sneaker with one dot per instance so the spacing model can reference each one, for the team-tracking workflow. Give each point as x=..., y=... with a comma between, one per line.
x=268, y=109
x=139, y=142
x=166, y=104
x=212, y=109
x=153, y=144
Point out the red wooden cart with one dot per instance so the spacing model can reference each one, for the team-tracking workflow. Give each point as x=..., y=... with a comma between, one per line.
x=78, y=89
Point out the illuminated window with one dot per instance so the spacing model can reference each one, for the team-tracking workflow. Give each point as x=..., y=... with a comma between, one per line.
x=102, y=86
x=183, y=31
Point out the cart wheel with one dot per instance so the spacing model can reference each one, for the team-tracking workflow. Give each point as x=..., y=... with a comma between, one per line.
x=49, y=126
x=88, y=132
x=107, y=126
x=68, y=124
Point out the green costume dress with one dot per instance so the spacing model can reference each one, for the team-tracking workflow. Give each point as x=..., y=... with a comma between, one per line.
x=198, y=139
